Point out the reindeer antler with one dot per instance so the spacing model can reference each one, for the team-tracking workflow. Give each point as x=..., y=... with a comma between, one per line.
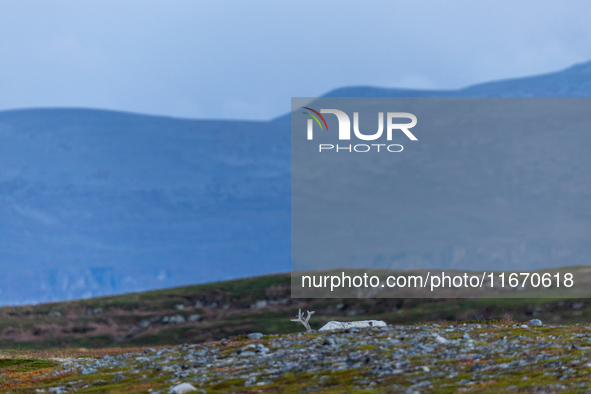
x=304, y=321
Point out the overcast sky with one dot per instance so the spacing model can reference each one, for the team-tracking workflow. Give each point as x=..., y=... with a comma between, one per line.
x=246, y=59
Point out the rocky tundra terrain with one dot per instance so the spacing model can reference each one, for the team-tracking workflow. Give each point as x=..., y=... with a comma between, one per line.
x=452, y=357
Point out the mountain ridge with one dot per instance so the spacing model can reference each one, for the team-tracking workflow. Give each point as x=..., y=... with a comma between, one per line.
x=97, y=202
x=563, y=83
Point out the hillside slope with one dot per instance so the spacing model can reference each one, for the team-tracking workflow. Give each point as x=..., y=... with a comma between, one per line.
x=101, y=202
x=213, y=311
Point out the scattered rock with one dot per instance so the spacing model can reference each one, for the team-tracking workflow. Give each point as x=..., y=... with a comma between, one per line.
x=441, y=340
x=179, y=307
x=260, y=349
x=194, y=317
x=94, y=311
x=247, y=354
x=535, y=322
x=255, y=336
x=283, y=301
x=118, y=378
x=176, y=319
x=260, y=304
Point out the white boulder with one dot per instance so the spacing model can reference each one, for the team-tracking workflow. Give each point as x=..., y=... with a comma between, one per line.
x=441, y=340
x=182, y=388
x=337, y=325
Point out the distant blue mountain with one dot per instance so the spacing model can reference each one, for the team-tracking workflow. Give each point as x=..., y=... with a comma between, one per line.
x=99, y=202
x=575, y=81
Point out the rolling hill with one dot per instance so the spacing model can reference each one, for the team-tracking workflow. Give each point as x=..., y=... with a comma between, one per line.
x=99, y=202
